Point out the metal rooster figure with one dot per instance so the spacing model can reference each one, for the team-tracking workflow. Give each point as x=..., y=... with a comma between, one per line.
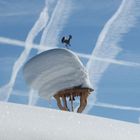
x=66, y=41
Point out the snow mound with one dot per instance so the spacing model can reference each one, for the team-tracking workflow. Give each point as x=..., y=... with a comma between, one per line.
x=20, y=122
x=55, y=70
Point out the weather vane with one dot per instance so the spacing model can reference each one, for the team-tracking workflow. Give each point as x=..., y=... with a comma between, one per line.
x=66, y=41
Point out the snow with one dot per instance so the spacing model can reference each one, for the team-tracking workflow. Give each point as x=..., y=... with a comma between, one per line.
x=55, y=70
x=33, y=123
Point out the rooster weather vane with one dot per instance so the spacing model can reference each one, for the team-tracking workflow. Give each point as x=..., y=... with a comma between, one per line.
x=66, y=41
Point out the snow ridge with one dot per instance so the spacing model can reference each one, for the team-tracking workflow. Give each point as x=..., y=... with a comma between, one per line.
x=34, y=123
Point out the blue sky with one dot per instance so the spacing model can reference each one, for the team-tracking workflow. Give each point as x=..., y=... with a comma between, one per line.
x=119, y=85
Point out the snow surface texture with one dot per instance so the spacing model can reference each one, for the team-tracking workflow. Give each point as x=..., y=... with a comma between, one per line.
x=55, y=70
x=34, y=123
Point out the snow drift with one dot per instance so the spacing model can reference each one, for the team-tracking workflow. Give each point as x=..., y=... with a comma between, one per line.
x=34, y=123
x=55, y=70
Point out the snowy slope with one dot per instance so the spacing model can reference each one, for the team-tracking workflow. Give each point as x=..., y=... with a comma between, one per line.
x=20, y=122
x=55, y=70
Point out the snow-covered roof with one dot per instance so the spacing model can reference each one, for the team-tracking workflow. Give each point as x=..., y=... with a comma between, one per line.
x=55, y=70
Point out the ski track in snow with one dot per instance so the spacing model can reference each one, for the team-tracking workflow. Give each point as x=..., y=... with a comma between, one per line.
x=107, y=44
x=6, y=90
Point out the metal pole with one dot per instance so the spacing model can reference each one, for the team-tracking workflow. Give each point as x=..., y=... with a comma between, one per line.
x=72, y=108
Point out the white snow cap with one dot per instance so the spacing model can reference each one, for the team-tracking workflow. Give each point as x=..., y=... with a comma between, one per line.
x=55, y=70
